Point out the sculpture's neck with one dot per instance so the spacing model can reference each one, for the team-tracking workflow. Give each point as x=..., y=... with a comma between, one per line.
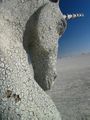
x=20, y=10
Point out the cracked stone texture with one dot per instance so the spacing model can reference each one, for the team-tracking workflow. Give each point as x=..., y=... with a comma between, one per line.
x=28, y=28
x=41, y=42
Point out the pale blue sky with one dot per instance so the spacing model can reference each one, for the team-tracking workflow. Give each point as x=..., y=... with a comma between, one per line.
x=76, y=39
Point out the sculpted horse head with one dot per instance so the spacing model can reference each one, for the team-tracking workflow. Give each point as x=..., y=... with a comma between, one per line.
x=37, y=26
x=41, y=41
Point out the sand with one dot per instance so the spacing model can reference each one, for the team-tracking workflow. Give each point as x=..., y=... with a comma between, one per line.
x=71, y=91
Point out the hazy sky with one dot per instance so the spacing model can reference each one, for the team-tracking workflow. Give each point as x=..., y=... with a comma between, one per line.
x=76, y=38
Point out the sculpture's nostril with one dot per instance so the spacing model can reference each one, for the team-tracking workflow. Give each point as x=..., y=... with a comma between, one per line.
x=55, y=77
x=55, y=1
x=49, y=83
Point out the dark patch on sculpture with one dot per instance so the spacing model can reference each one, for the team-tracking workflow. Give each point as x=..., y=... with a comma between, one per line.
x=9, y=94
x=17, y=98
x=1, y=1
x=55, y=1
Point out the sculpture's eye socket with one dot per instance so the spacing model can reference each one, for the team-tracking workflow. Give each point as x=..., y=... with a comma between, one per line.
x=55, y=1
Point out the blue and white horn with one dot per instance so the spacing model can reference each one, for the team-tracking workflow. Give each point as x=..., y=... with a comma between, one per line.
x=73, y=16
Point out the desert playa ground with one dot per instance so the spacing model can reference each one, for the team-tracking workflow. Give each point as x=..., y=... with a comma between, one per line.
x=71, y=91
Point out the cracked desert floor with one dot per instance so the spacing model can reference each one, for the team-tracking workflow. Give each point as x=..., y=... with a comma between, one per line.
x=71, y=91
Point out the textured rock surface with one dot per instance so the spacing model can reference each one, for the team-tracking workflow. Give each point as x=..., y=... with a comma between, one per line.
x=42, y=42
x=35, y=21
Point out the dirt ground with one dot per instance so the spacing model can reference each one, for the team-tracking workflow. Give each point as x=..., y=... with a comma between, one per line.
x=71, y=91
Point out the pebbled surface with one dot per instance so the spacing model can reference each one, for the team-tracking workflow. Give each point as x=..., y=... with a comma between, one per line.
x=21, y=98
x=42, y=42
